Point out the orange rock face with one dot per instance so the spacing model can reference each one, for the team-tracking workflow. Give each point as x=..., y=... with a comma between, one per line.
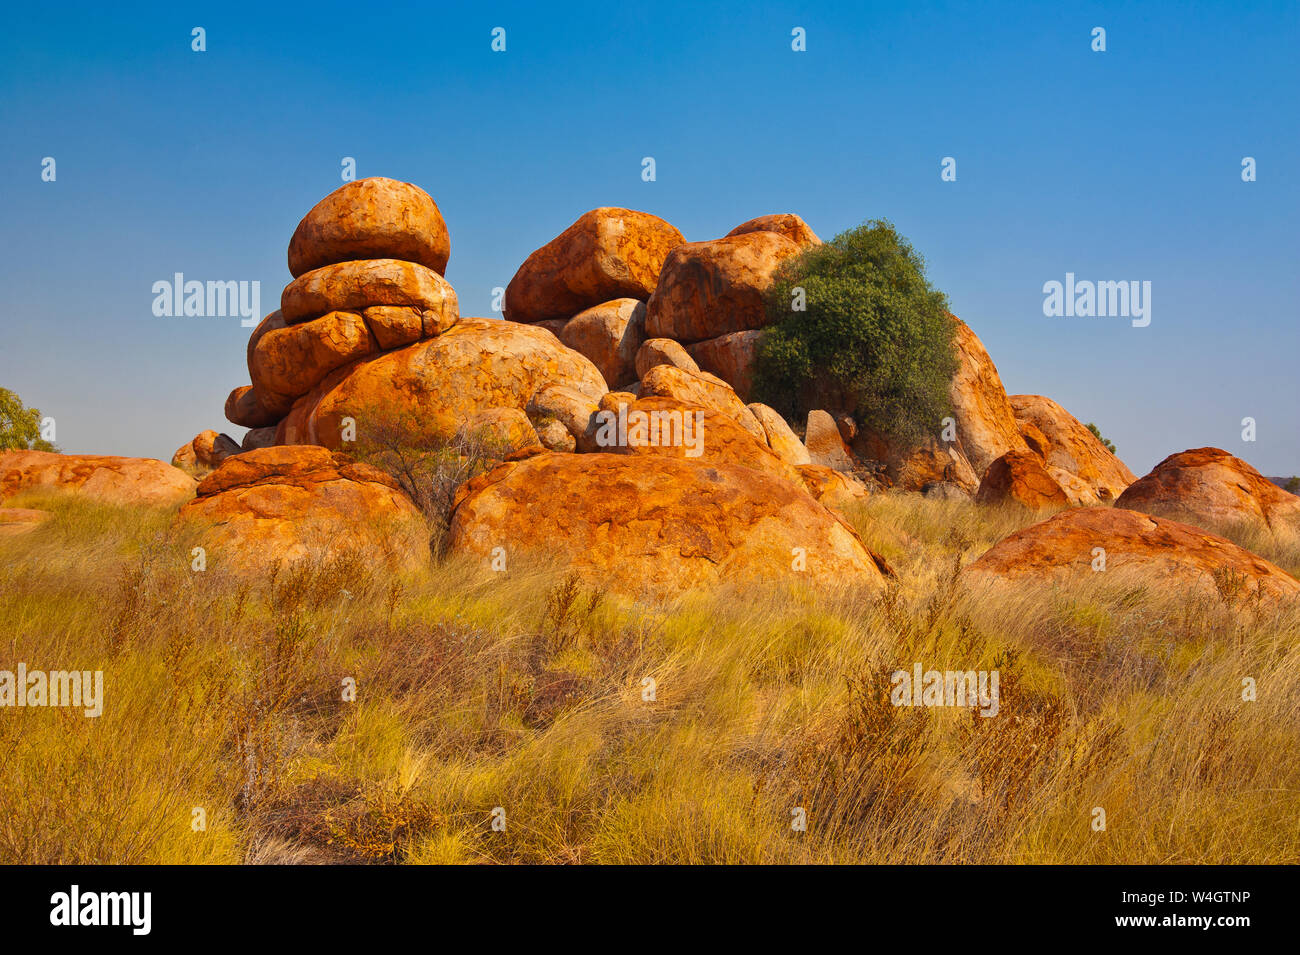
x=429, y=389
x=395, y=325
x=915, y=467
x=574, y=410
x=1212, y=488
x=15, y=521
x=731, y=358
x=985, y=428
x=824, y=443
x=700, y=388
x=289, y=362
x=114, y=480
x=358, y=285
x=785, y=444
x=1086, y=471
x=782, y=223
x=986, y=423
x=245, y=408
x=657, y=526
x=205, y=452
x=610, y=334
x=285, y=504
x=670, y=428
x=608, y=253
x=1019, y=477
x=835, y=489
x=662, y=351
x=1062, y=551
x=374, y=218
x=714, y=288
x=501, y=431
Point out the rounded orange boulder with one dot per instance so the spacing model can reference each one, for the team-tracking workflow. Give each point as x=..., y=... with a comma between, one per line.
x=425, y=392
x=1215, y=489
x=108, y=478
x=658, y=526
x=782, y=223
x=607, y=253
x=373, y=218
x=1134, y=548
x=1086, y=470
x=286, y=504
x=610, y=334
x=1018, y=477
x=357, y=285
x=714, y=288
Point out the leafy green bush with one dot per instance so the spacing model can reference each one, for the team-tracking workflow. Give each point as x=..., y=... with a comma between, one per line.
x=1096, y=433
x=874, y=339
x=20, y=427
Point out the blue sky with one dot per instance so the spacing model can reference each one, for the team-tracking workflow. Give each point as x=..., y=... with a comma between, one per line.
x=1123, y=165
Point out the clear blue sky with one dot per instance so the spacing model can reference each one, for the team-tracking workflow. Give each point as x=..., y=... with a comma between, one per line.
x=1117, y=165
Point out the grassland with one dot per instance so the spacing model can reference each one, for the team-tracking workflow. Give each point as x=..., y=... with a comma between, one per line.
x=526, y=691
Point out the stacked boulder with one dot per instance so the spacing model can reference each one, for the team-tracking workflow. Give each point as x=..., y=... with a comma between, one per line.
x=368, y=343
x=659, y=317
x=367, y=263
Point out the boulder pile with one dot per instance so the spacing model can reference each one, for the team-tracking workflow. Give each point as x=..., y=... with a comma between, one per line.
x=616, y=395
x=625, y=455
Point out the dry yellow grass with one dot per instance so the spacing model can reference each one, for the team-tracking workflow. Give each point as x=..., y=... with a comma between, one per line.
x=525, y=692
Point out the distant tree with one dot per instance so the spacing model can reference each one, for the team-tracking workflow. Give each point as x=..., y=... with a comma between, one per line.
x=1106, y=442
x=856, y=327
x=20, y=426
x=1292, y=484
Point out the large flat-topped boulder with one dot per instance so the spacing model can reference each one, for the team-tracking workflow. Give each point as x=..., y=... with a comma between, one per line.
x=1064, y=551
x=658, y=526
x=107, y=478
x=286, y=504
